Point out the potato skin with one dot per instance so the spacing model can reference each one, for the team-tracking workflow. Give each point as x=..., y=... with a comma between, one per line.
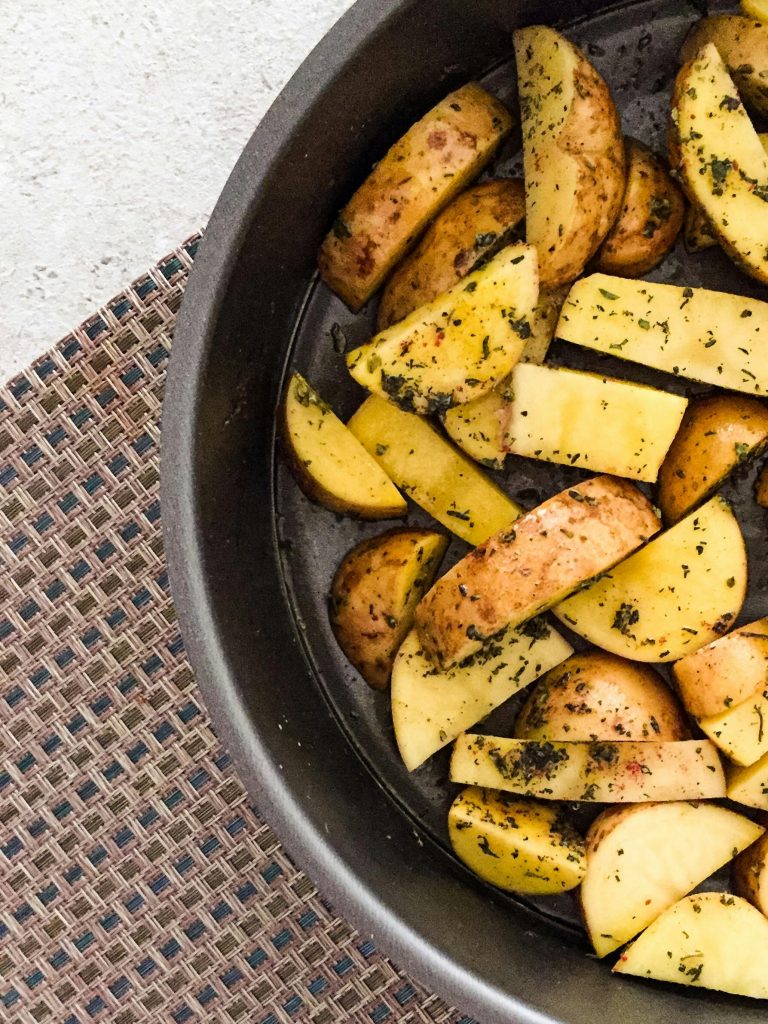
x=422, y=172
x=697, y=230
x=750, y=874
x=650, y=219
x=599, y=696
x=374, y=595
x=743, y=44
x=717, y=434
x=726, y=672
x=478, y=223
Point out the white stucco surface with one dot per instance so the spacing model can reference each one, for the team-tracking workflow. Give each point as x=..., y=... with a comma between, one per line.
x=119, y=123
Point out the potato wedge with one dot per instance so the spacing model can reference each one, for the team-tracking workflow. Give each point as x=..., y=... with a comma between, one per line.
x=677, y=594
x=750, y=875
x=650, y=218
x=329, y=463
x=719, y=158
x=741, y=733
x=756, y=9
x=698, y=233
x=597, y=696
x=532, y=564
x=431, y=471
x=710, y=940
x=642, y=859
x=430, y=708
x=726, y=672
x=742, y=42
x=748, y=784
x=573, y=153
x=474, y=226
x=516, y=845
x=713, y=337
x=374, y=596
x=423, y=171
x=627, y=772
x=761, y=488
x=458, y=346
x=718, y=433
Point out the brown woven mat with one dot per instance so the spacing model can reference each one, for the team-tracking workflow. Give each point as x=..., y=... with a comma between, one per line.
x=138, y=884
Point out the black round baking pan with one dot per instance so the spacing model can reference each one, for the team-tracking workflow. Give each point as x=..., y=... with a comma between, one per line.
x=251, y=559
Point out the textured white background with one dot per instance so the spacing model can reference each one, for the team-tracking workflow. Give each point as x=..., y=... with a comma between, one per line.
x=119, y=123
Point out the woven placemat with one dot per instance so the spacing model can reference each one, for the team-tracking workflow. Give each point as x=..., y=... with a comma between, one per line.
x=138, y=883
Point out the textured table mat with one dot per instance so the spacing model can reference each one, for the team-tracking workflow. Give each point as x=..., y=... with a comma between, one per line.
x=138, y=884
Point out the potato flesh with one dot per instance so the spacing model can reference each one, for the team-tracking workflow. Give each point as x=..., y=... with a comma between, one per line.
x=431, y=471
x=749, y=785
x=422, y=172
x=741, y=732
x=641, y=860
x=675, y=595
x=330, y=463
x=716, y=941
x=718, y=433
x=720, y=160
x=726, y=672
x=756, y=9
x=628, y=772
x=742, y=42
x=526, y=568
x=516, y=845
x=713, y=337
x=458, y=346
x=431, y=708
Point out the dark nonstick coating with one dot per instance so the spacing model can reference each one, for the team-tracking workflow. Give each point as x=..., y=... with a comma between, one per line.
x=251, y=559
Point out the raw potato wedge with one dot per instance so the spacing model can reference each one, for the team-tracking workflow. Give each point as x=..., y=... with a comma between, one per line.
x=726, y=672
x=643, y=859
x=473, y=227
x=757, y=9
x=431, y=708
x=677, y=594
x=698, y=234
x=423, y=171
x=720, y=160
x=431, y=471
x=713, y=337
x=458, y=346
x=710, y=940
x=718, y=433
x=650, y=219
x=742, y=42
x=533, y=564
x=597, y=696
x=750, y=875
x=329, y=463
x=572, y=418
x=573, y=153
x=627, y=772
x=749, y=785
x=374, y=596
x=516, y=845
x=741, y=733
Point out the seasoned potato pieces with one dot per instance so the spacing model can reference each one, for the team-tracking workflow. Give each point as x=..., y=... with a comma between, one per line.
x=628, y=772
x=458, y=346
x=430, y=708
x=741, y=732
x=431, y=471
x=748, y=784
x=726, y=672
x=710, y=940
x=329, y=463
x=597, y=696
x=642, y=859
x=374, y=595
x=532, y=564
x=650, y=218
x=742, y=42
x=720, y=160
x=516, y=845
x=718, y=433
x=422, y=172
x=473, y=227
x=573, y=153
x=750, y=875
x=675, y=595
x=713, y=337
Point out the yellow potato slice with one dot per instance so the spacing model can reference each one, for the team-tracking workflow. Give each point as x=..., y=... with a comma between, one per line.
x=675, y=595
x=756, y=9
x=749, y=785
x=741, y=732
x=750, y=875
x=726, y=672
